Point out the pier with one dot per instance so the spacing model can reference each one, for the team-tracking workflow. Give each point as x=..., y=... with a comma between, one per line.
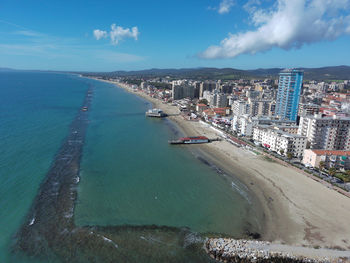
x=193, y=140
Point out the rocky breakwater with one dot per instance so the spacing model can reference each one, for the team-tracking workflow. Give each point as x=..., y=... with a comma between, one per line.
x=231, y=250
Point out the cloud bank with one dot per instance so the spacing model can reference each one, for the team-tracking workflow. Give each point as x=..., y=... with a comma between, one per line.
x=117, y=33
x=288, y=24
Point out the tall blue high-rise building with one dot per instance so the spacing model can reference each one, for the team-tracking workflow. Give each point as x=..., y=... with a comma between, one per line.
x=289, y=89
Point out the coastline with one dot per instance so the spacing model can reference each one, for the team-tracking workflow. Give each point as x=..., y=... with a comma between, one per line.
x=297, y=210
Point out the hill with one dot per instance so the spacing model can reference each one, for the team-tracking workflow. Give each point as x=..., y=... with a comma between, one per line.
x=324, y=73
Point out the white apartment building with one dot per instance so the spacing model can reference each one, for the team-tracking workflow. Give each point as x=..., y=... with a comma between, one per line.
x=243, y=125
x=240, y=107
x=215, y=99
x=259, y=107
x=327, y=133
x=277, y=140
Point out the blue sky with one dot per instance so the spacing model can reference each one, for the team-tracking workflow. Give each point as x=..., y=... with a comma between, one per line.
x=59, y=35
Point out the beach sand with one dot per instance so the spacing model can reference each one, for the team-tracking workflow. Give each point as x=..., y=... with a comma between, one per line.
x=297, y=209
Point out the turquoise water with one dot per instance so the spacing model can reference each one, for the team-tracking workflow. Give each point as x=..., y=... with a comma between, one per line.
x=129, y=173
x=35, y=112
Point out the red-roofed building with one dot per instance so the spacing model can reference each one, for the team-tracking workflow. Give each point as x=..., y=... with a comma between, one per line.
x=201, y=107
x=215, y=112
x=336, y=159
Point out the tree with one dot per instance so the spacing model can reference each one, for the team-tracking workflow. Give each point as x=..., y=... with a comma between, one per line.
x=289, y=155
x=332, y=171
x=321, y=165
x=282, y=151
x=203, y=101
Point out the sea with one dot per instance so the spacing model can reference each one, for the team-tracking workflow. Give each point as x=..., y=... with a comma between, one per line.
x=129, y=176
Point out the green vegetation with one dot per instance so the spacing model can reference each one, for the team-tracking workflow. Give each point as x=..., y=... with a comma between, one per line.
x=332, y=171
x=345, y=177
x=134, y=81
x=161, y=85
x=337, y=73
x=203, y=101
x=321, y=165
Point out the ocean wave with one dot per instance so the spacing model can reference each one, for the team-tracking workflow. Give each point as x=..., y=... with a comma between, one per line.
x=241, y=192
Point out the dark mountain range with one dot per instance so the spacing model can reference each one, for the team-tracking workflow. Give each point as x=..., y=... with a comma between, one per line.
x=324, y=73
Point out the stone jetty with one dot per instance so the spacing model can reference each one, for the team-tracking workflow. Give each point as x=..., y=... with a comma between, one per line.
x=231, y=250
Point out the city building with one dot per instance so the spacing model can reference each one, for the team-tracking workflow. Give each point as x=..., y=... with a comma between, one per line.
x=308, y=109
x=243, y=125
x=201, y=107
x=207, y=85
x=289, y=89
x=180, y=92
x=259, y=107
x=177, y=92
x=328, y=159
x=240, y=107
x=279, y=141
x=215, y=99
x=327, y=133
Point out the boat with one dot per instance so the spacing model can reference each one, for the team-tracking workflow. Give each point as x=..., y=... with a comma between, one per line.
x=84, y=108
x=190, y=140
x=158, y=113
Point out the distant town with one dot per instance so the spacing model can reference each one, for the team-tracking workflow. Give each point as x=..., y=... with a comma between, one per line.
x=304, y=123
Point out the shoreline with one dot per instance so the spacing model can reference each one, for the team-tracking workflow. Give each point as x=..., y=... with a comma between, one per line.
x=297, y=210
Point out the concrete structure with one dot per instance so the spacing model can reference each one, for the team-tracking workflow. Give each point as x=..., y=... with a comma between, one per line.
x=180, y=92
x=177, y=92
x=215, y=99
x=289, y=88
x=221, y=100
x=188, y=92
x=259, y=107
x=143, y=85
x=331, y=159
x=210, y=86
x=308, y=109
x=240, y=107
x=243, y=125
x=253, y=94
x=277, y=140
x=327, y=133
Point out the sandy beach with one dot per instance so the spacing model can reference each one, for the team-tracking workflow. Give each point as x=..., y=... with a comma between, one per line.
x=297, y=210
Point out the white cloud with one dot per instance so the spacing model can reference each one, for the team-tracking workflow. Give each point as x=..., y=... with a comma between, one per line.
x=98, y=34
x=225, y=6
x=290, y=24
x=117, y=33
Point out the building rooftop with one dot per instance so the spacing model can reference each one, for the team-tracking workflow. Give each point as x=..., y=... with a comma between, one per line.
x=329, y=152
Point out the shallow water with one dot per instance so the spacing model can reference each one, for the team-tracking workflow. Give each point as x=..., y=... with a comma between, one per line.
x=129, y=175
